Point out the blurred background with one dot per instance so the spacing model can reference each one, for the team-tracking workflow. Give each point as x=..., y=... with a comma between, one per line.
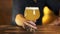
x=5, y=11
x=5, y=19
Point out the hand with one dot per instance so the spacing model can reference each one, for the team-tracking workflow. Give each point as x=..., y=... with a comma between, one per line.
x=56, y=22
x=29, y=25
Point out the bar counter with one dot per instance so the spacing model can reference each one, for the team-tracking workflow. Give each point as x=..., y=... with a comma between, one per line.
x=9, y=29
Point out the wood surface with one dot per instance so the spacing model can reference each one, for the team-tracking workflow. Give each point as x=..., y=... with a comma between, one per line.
x=9, y=29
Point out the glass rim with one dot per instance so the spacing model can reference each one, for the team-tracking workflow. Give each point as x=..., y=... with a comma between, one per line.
x=32, y=8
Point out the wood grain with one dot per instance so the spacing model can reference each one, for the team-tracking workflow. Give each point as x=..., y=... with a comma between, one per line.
x=8, y=29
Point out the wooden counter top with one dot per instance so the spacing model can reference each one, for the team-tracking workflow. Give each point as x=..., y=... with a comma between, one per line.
x=9, y=29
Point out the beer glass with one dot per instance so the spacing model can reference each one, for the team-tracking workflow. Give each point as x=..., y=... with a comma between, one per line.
x=32, y=13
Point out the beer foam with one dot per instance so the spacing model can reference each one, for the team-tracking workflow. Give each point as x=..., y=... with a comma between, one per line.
x=32, y=8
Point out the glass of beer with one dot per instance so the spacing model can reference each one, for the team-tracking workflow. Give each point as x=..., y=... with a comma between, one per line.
x=32, y=13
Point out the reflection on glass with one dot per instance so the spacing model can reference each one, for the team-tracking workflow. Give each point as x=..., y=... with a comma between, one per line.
x=32, y=13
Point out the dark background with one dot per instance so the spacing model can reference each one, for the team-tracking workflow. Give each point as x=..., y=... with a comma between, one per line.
x=5, y=12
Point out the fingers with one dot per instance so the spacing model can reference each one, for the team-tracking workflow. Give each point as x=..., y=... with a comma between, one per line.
x=31, y=24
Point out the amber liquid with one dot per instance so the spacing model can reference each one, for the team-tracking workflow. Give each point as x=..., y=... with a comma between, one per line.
x=32, y=13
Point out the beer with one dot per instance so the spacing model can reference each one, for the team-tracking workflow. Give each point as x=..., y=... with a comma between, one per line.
x=32, y=13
